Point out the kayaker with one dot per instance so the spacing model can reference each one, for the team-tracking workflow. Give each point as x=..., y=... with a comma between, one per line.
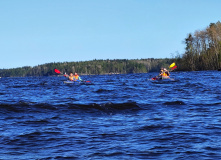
x=74, y=77
x=164, y=72
x=161, y=72
x=70, y=77
x=159, y=76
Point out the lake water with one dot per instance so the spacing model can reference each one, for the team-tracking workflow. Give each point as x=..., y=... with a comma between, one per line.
x=115, y=117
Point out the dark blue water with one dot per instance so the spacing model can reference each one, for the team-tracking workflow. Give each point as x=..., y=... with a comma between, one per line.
x=116, y=117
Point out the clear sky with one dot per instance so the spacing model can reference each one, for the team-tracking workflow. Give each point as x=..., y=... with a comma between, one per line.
x=34, y=32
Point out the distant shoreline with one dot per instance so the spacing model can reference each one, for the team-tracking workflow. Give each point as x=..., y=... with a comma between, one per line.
x=94, y=67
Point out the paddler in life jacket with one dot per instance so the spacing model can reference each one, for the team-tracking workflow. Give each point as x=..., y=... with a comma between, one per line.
x=161, y=72
x=70, y=77
x=164, y=73
x=159, y=75
x=74, y=77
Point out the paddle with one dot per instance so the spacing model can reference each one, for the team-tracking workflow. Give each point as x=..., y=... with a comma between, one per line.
x=59, y=72
x=172, y=66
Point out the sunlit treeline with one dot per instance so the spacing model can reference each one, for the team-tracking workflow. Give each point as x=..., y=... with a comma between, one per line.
x=203, y=50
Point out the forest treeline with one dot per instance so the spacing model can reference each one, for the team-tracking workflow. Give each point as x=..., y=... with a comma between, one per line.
x=117, y=66
x=202, y=52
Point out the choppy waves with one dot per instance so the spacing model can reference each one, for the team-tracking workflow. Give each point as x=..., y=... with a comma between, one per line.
x=116, y=117
x=35, y=107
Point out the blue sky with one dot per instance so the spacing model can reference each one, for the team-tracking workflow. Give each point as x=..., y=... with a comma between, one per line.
x=34, y=32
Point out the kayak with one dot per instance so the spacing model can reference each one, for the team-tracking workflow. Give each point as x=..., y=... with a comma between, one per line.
x=71, y=82
x=164, y=79
x=77, y=82
x=161, y=78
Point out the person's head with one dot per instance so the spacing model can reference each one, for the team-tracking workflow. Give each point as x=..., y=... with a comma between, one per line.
x=75, y=73
x=165, y=69
x=71, y=74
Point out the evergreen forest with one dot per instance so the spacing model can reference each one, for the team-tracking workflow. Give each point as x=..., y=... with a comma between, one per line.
x=94, y=67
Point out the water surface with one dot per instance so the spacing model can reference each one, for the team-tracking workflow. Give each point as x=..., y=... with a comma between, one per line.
x=116, y=117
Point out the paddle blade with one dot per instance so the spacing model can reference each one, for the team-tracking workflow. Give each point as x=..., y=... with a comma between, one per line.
x=172, y=65
x=174, y=68
x=57, y=71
